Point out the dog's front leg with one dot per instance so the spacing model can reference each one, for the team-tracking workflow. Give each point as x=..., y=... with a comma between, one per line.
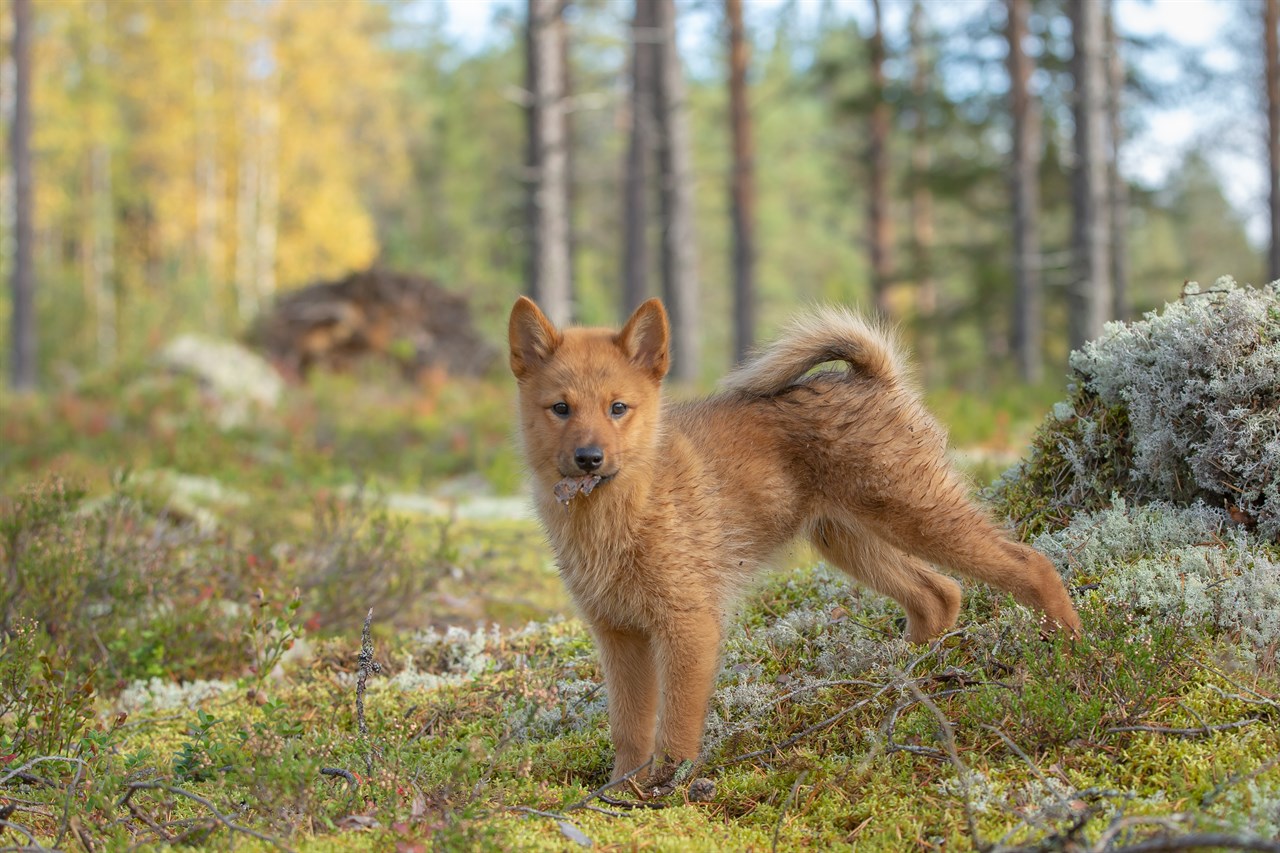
x=688, y=651
x=632, y=682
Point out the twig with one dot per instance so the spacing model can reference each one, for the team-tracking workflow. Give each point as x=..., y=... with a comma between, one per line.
x=1236, y=778
x=822, y=725
x=20, y=772
x=352, y=781
x=1189, y=732
x=367, y=665
x=813, y=729
x=1044, y=780
x=598, y=792
x=962, y=772
x=782, y=814
x=1201, y=841
x=223, y=819
x=16, y=827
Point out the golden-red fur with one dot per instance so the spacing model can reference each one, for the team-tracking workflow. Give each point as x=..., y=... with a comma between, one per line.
x=696, y=497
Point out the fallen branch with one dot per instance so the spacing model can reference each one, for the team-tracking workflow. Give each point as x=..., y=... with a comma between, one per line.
x=1187, y=732
x=352, y=781
x=223, y=819
x=22, y=774
x=598, y=793
x=1200, y=841
x=782, y=813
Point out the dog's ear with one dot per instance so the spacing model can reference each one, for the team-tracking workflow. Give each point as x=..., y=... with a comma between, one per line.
x=644, y=339
x=532, y=337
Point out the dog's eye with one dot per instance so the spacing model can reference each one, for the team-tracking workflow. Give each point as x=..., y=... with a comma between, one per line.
x=561, y=409
x=618, y=409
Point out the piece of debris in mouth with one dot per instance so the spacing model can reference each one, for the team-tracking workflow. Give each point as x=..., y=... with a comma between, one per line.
x=566, y=489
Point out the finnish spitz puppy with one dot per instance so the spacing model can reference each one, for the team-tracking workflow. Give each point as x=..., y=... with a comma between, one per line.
x=661, y=513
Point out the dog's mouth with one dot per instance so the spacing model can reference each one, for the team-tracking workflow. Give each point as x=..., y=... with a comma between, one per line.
x=570, y=487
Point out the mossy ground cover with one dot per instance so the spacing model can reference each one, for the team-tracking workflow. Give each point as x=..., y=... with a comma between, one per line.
x=182, y=660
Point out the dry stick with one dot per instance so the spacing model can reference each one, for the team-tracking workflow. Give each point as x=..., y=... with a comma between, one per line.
x=1044, y=780
x=367, y=665
x=822, y=725
x=598, y=793
x=35, y=845
x=352, y=781
x=20, y=772
x=223, y=819
x=66, y=805
x=962, y=772
x=1236, y=778
x=1201, y=841
x=777, y=827
x=1189, y=732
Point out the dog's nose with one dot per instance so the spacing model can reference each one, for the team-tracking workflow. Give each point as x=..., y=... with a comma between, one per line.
x=588, y=458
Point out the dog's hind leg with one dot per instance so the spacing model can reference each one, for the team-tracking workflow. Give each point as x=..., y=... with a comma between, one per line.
x=926, y=512
x=931, y=600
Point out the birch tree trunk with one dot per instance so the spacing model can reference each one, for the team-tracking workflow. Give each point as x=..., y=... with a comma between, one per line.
x=24, y=307
x=635, y=212
x=679, y=249
x=549, y=192
x=741, y=187
x=1090, y=296
x=1025, y=189
x=1270, y=22
x=880, y=234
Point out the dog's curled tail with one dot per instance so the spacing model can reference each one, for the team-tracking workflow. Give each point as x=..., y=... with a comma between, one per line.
x=828, y=334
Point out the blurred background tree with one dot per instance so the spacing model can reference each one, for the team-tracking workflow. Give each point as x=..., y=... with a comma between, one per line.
x=192, y=160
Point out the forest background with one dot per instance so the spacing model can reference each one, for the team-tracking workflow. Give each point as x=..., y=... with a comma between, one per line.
x=203, y=569
x=192, y=160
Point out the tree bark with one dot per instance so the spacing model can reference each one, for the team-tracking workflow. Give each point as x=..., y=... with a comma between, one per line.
x=635, y=213
x=1090, y=298
x=1271, y=20
x=548, y=205
x=24, y=308
x=922, y=229
x=742, y=187
x=1118, y=188
x=1025, y=191
x=679, y=250
x=880, y=235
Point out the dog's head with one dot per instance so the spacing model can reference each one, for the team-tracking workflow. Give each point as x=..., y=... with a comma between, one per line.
x=590, y=399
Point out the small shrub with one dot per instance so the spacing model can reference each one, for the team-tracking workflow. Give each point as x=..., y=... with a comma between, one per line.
x=1180, y=406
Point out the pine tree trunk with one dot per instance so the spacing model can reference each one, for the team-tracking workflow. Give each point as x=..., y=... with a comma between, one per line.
x=635, y=212
x=742, y=187
x=549, y=191
x=1025, y=188
x=880, y=235
x=679, y=250
x=1118, y=188
x=1271, y=20
x=922, y=230
x=24, y=308
x=1090, y=298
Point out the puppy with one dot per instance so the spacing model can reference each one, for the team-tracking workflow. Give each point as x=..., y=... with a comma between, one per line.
x=659, y=514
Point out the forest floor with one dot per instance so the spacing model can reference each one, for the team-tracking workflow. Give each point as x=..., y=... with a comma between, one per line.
x=189, y=658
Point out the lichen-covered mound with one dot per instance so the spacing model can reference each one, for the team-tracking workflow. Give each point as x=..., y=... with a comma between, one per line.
x=1182, y=406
